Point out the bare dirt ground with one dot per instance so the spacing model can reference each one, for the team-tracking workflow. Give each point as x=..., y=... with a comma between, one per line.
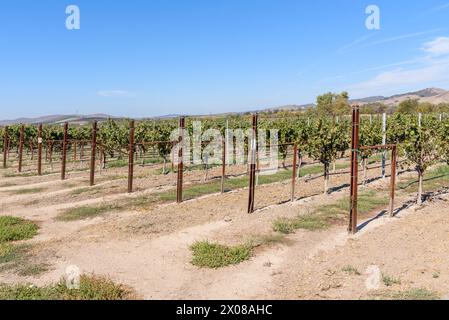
x=149, y=249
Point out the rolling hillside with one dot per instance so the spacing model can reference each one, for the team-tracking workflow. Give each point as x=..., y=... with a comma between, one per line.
x=431, y=95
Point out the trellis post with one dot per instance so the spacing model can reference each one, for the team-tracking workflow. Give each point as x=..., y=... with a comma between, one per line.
x=131, y=157
x=223, y=165
x=5, y=146
x=64, y=152
x=295, y=156
x=252, y=167
x=354, y=169
x=22, y=133
x=393, y=179
x=180, y=176
x=93, y=153
x=39, y=150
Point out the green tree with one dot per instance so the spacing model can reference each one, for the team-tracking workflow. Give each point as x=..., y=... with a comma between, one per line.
x=373, y=108
x=409, y=106
x=333, y=104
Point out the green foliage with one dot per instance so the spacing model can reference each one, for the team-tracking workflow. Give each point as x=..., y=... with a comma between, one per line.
x=19, y=259
x=311, y=222
x=322, y=133
x=396, y=128
x=27, y=191
x=333, y=104
x=113, y=137
x=443, y=139
x=91, y=288
x=326, y=139
x=351, y=270
x=409, y=106
x=328, y=214
x=421, y=141
x=370, y=135
x=11, y=252
x=212, y=255
x=389, y=280
x=416, y=294
x=373, y=108
x=14, y=229
x=85, y=212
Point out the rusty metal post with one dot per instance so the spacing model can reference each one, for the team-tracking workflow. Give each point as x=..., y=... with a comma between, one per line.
x=93, y=153
x=393, y=179
x=64, y=151
x=295, y=156
x=223, y=165
x=180, y=178
x=131, y=157
x=5, y=146
x=252, y=167
x=39, y=150
x=22, y=133
x=354, y=170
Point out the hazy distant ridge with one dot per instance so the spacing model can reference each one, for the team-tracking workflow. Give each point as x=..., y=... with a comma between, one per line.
x=55, y=119
x=431, y=95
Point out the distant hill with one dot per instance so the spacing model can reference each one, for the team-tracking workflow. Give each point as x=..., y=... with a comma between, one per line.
x=291, y=108
x=58, y=119
x=431, y=95
x=73, y=119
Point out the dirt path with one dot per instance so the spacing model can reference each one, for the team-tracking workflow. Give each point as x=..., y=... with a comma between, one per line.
x=149, y=249
x=308, y=267
x=410, y=248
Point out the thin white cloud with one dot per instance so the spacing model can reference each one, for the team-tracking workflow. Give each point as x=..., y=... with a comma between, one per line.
x=398, y=38
x=437, y=47
x=374, y=68
x=425, y=75
x=348, y=47
x=425, y=71
x=440, y=7
x=114, y=93
x=362, y=43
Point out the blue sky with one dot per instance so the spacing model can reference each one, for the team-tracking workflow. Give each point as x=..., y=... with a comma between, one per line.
x=145, y=58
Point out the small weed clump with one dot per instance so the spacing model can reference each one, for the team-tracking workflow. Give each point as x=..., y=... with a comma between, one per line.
x=15, y=229
x=13, y=256
x=91, y=288
x=389, y=281
x=85, y=212
x=27, y=191
x=212, y=255
x=326, y=215
x=90, y=190
x=309, y=222
x=414, y=294
x=351, y=270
